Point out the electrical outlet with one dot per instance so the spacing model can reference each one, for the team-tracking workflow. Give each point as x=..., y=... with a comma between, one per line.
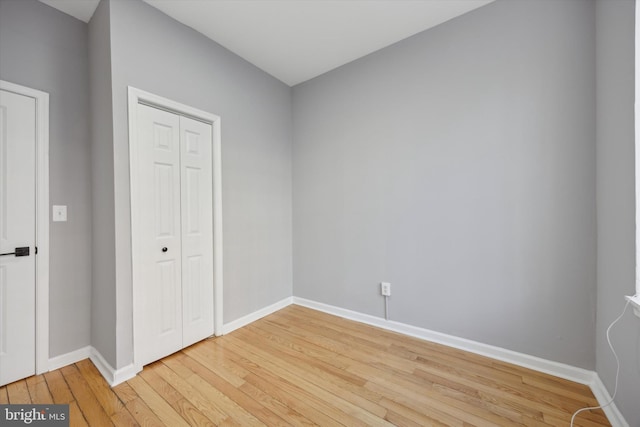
x=385, y=289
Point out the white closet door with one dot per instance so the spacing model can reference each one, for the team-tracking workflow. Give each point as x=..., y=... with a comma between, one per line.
x=175, y=240
x=197, y=230
x=159, y=239
x=17, y=229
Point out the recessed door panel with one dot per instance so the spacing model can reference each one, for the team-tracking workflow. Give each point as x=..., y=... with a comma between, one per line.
x=192, y=141
x=197, y=293
x=169, y=290
x=164, y=188
x=163, y=137
x=192, y=199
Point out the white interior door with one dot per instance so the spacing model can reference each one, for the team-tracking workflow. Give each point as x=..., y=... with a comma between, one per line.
x=17, y=230
x=159, y=237
x=196, y=191
x=175, y=239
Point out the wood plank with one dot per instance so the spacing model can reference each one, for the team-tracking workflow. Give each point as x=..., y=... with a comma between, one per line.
x=142, y=413
x=400, y=414
x=58, y=387
x=318, y=357
x=341, y=410
x=76, y=418
x=156, y=403
x=123, y=418
x=101, y=390
x=206, y=396
x=191, y=414
x=38, y=390
x=125, y=393
x=18, y=393
x=478, y=407
x=34, y=379
x=323, y=356
x=580, y=421
x=163, y=388
x=180, y=370
x=279, y=397
x=454, y=357
x=4, y=397
x=289, y=397
x=342, y=384
x=275, y=405
x=183, y=398
x=87, y=401
x=483, y=375
x=527, y=404
x=213, y=356
x=243, y=400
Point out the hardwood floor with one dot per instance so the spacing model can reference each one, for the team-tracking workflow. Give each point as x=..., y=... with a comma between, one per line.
x=302, y=367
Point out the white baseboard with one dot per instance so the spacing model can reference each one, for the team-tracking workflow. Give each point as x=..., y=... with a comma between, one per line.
x=69, y=358
x=603, y=397
x=252, y=317
x=568, y=372
x=112, y=376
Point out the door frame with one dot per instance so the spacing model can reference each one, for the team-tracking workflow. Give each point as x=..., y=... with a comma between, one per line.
x=135, y=97
x=42, y=219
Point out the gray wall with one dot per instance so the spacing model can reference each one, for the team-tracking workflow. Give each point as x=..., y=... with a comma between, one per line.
x=616, y=198
x=47, y=50
x=459, y=165
x=171, y=60
x=103, y=295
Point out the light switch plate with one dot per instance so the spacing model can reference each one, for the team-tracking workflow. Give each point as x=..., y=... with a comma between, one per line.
x=59, y=213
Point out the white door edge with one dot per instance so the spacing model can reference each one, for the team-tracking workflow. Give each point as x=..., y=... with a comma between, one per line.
x=42, y=219
x=135, y=97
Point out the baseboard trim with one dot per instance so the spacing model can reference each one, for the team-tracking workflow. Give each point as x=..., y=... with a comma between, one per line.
x=603, y=397
x=568, y=372
x=69, y=358
x=112, y=376
x=252, y=317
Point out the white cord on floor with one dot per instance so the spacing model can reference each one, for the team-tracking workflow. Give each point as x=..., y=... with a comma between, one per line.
x=386, y=307
x=615, y=389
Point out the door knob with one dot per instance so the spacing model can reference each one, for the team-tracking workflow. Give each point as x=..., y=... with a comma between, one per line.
x=164, y=249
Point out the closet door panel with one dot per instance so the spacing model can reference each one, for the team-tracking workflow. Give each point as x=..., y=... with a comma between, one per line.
x=160, y=234
x=197, y=230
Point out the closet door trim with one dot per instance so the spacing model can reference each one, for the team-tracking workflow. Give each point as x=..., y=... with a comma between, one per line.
x=135, y=97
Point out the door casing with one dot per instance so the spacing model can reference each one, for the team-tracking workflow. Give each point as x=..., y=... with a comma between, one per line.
x=42, y=219
x=135, y=97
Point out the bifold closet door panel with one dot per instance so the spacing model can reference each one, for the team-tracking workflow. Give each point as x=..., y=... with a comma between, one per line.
x=160, y=235
x=197, y=230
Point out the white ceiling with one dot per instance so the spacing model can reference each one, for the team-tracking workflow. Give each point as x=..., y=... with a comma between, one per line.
x=296, y=40
x=81, y=9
